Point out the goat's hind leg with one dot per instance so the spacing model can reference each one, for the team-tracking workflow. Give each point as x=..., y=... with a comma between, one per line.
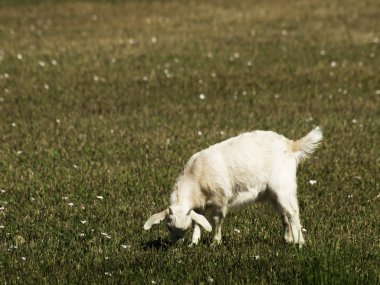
x=287, y=229
x=287, y=205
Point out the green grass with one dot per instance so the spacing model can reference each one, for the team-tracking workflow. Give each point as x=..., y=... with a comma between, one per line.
x=91, y=106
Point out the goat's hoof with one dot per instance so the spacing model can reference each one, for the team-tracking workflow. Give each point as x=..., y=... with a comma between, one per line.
x=301, y=243
x=216, y=242
x=288, y=240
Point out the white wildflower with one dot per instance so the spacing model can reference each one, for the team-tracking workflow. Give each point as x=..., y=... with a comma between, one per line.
x=70, y=204
x=19, y=56
x=106, y=235
x=154, y=40
x=237, y=231
x=312, y=182
x=309, y=119
x=202, y=96
x=333, y=64
x=100, y=197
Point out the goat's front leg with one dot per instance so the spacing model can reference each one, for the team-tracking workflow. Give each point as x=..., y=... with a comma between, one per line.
x=196, y=234
x=217, y=225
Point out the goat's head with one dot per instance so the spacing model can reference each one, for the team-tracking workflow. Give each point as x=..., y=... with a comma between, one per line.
x=178, y=220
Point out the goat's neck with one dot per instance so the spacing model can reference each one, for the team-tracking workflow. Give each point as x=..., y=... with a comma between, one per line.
x=185, y=193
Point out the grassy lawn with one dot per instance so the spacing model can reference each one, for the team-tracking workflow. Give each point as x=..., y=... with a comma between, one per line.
x=100, y=108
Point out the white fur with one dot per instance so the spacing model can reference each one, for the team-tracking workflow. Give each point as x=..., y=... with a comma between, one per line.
x=254, y=166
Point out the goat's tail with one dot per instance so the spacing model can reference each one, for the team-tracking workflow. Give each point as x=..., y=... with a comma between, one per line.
x=304, y=147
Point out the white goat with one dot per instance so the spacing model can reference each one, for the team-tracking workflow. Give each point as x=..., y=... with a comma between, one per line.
x=254, y=166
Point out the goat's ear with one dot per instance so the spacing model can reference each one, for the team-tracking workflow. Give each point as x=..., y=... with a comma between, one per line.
x=201, y=220
x=156, y=219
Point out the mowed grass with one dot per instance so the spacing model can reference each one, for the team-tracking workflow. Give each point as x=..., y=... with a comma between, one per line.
x=100, y=108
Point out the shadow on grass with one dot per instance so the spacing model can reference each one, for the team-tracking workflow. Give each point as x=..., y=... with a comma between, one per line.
x=157, y=244
x=165, y=244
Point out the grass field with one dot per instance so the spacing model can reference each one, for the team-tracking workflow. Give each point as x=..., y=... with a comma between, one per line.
x=101, y=106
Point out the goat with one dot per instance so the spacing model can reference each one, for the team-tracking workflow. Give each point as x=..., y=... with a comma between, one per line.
x=254, y=166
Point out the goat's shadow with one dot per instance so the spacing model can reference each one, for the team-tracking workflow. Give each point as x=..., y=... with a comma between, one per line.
x=157, y=244
x=165, y=244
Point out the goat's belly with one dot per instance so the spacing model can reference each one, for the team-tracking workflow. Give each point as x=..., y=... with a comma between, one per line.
x=250, y=195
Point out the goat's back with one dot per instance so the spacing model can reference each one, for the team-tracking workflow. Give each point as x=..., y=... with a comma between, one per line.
x=248, y=159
